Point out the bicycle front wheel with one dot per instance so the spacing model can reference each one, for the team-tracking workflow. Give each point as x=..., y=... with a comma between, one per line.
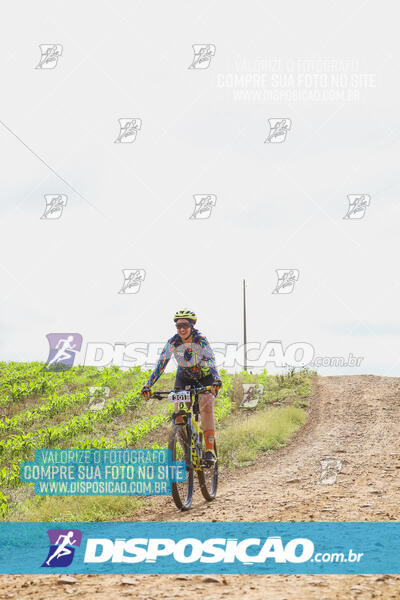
x=182, y=491
x=208, y=479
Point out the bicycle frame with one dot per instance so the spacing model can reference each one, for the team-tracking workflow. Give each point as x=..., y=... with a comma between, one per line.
x=193, y=431
x=192, y=425
x=191, y=445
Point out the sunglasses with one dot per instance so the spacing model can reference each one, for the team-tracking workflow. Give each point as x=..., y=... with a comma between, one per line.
x=182, y=325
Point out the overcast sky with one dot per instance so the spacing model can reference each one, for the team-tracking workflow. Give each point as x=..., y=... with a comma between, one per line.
x=203, y=131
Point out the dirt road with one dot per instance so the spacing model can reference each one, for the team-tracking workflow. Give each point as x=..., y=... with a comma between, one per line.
x=354, y=427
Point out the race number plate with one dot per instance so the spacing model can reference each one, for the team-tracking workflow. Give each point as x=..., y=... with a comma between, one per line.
x=183, y=396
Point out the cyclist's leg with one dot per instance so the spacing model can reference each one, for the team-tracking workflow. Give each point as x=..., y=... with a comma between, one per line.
x=206, y=406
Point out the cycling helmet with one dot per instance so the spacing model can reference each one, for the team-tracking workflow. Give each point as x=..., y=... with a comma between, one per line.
x=185, y=314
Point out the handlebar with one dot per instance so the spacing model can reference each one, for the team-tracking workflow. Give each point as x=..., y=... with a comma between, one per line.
x=193, y=390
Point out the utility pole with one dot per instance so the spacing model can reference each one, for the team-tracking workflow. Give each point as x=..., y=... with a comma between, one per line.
x=244, y=326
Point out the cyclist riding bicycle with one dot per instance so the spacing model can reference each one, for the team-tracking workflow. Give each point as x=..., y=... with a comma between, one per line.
x=196, y=368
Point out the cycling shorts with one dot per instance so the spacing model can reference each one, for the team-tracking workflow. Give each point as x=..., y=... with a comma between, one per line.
x=182, y=381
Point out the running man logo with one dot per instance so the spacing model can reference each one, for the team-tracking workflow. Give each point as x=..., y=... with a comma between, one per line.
x=98, y=397
x=203, y=205
x=357, y=205
x=278, y=129
x=132, y=280
x=50, y=54
x=286, y=280
x=203, y=54
x=252, y=393
x=62, y=542
x=63, y=347
x=128, y=129
x=55, y=204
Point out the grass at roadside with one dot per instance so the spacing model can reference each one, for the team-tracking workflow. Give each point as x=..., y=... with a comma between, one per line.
x=291, y=386
x=75, y=508
x=240, y=443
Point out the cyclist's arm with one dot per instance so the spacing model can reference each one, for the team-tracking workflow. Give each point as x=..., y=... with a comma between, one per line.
x=162, y=363
x=209, y=359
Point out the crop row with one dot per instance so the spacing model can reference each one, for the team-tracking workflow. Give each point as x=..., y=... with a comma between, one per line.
x=23, y=444
x=33, y=379
x=10, y=476
x=55, y=404
x=14, y=371
x=14, y=392
x=129, y=436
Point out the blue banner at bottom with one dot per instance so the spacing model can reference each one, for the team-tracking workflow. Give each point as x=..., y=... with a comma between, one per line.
x=197, y=548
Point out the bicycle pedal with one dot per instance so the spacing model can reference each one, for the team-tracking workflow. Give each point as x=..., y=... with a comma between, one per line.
x=207, y=464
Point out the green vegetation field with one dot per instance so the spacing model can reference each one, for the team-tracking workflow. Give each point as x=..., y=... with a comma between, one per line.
x=50, y=409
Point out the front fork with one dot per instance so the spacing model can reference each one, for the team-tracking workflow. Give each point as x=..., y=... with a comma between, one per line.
x=194, y=443
x=193, y=434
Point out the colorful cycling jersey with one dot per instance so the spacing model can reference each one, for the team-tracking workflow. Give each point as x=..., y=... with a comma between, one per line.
x=194, y=360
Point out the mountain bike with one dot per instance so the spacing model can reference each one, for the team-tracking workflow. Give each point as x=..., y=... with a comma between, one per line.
x=186, y=442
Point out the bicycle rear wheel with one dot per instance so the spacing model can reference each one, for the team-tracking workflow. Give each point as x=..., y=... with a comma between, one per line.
x=182, y=491
x=208, y=479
